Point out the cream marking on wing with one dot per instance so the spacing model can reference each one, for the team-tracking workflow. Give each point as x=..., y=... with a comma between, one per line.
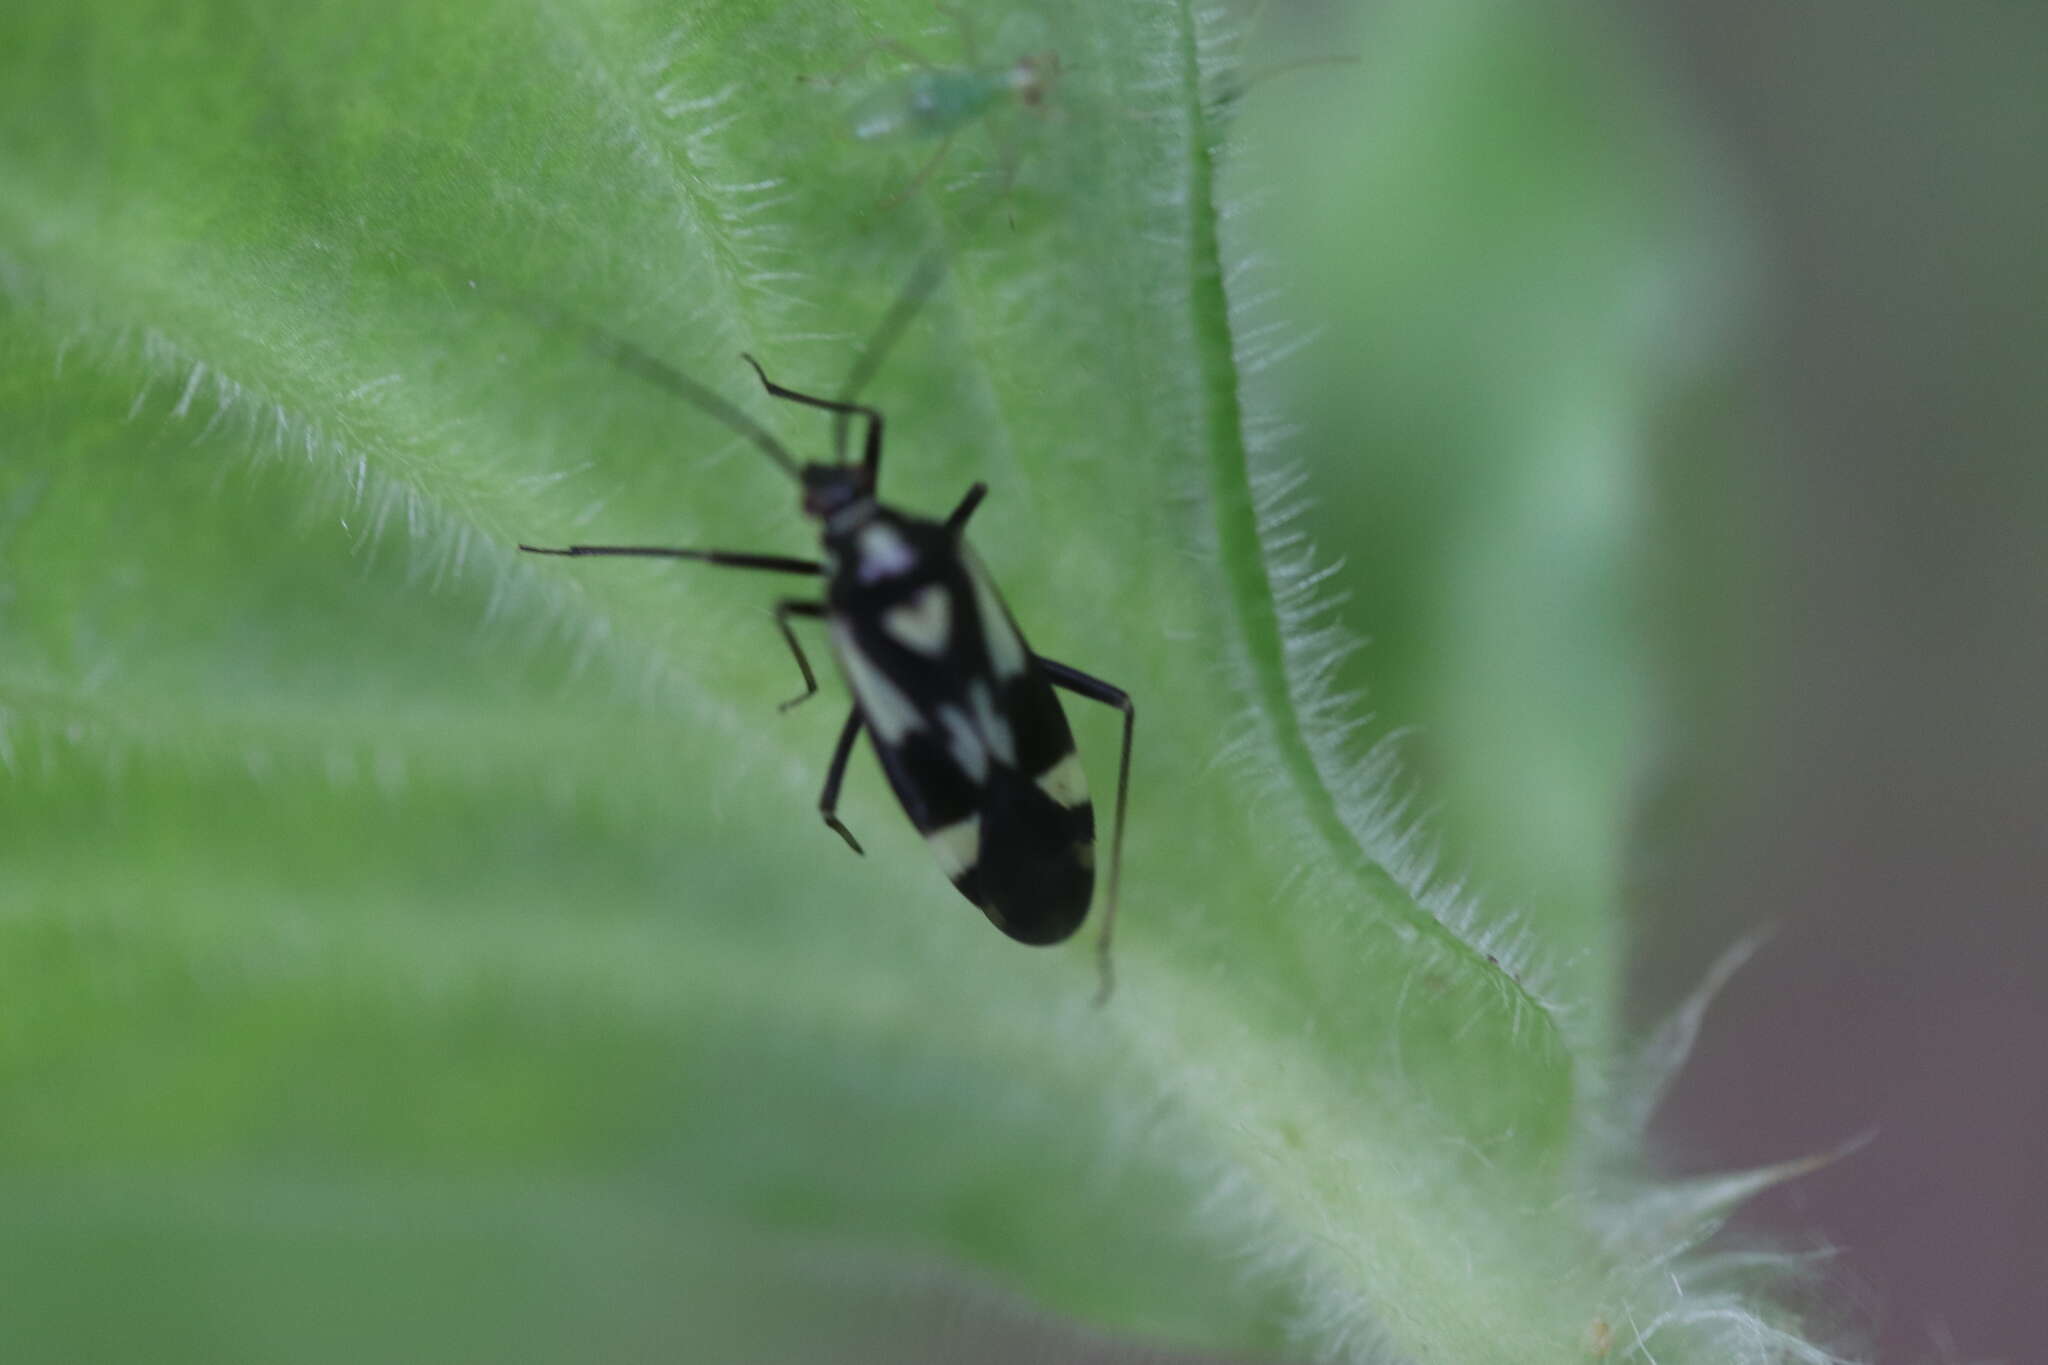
x=925, y=622
x=1064, y=781
x=966, y=745
x=889, y=713
x=995, y=728
x=1005, y=650
x=883, y=553
x=957, y=846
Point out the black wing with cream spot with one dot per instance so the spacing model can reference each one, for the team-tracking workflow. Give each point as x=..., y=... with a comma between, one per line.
x=967, y=726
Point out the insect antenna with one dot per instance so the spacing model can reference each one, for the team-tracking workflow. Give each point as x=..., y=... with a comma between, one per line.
x=662, y=375
x=634, y=360
x=931, y=268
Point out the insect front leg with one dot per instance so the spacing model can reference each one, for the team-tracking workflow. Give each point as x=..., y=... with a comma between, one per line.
x=1109, y=694
x=835, y=774
x=956, y=521
x=732, y=559
x=785, y=609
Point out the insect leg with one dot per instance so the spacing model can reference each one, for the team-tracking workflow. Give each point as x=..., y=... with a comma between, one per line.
x=828, y=800
x=1095, y=689
x=1006, y=154
x=730, y=558
x=864, y=55
x=924, y=173
x=958, y=520
x=785, y=609
x=871, y=447
x=962, y=26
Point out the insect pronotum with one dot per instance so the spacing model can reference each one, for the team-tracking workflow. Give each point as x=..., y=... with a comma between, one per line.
x=961, y=711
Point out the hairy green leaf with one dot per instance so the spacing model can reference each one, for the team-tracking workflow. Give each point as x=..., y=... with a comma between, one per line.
x=415, y=948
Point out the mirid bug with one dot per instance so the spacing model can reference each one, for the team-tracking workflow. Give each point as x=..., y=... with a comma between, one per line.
x=961, y=712
x=930, y=101
x=938, y=101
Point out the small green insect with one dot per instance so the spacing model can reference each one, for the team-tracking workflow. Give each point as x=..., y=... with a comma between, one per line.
x=931, y=101
x=938, y=101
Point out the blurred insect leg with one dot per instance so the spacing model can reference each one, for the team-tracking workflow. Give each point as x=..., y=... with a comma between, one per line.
x=1006, y=158
x=785, y=609
x=957, y=521
x=835, y=774
x=871, y=445
x=1095, y=689
x=1236, y=84
x=732, y=559
x=862, y=56
x=924, y=173
x=962, y=25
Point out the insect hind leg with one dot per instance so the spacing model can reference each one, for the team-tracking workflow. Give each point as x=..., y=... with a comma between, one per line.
x=1109, y=694
x=835, y=775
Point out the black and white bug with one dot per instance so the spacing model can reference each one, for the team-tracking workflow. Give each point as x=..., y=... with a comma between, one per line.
x=961, y=712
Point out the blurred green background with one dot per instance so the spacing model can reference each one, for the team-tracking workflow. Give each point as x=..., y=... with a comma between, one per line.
x=1661, y=388
x=1849, y=582
x=1881, y=794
